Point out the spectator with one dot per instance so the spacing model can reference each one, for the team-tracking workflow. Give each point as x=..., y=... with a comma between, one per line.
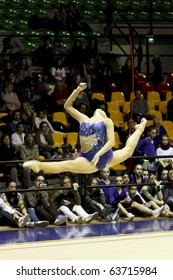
x=140, y=108
x=14, y=48
x=24, y=70
x=16, y=118
x=58, y=70
x=11, y=216
x=8, y=153
x=39, y=200
x=70, y=202
x=160, y=131
x=95, y=200
x=17, y=138
x=44, y=140
x=27, y=115
x=10, y=98
x=43, y=55
x=157, y=75
x=147, y=147
x=15, y=200
x=29, y=150
x=165, y=149
x=137, y=176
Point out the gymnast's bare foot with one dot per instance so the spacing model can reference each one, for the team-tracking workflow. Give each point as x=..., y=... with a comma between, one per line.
x=141, y=125
x=32, y=164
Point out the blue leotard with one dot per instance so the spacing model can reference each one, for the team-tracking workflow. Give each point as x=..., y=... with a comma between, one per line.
x=99, y=129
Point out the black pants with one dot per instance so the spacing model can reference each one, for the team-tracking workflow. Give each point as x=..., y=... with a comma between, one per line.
x=48, y=214
x=7, y=219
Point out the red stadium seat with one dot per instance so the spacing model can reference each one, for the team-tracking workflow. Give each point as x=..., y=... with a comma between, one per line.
x=141, y=78
x=162, y=88
x=145, y=87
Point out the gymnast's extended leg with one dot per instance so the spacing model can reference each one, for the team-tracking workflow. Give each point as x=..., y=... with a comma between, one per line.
x=125, y=153
x=78, y=165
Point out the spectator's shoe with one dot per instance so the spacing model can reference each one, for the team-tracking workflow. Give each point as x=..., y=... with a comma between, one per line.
x=23, y=221
x=91, y=217
x=157, y=212
x=79, y=220
x=60, y=220
x=116, y=215
x=108, y=218
x=40, y=224
x=130, y=216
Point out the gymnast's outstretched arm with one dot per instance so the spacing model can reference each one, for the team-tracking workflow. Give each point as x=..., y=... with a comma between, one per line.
x=69, y=103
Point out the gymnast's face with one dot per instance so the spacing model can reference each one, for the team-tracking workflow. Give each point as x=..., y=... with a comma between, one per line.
x=100, y=113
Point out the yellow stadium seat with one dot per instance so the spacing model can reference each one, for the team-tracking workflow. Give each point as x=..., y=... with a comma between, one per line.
x=58, y=139
x=118, y=97
x=98, y=95
x=151, y=105
x=118, y=143
x=154, y=96
x=157, y=114
x=168, y=125
x=113, y=106
x=60, y=117
x=163, y=108
x=72, y=139
x=118, y=167
x=168, y=95
x=126, y=108
x=117, y=118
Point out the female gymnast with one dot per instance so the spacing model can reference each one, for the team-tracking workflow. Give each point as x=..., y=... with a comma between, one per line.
x=96, y=140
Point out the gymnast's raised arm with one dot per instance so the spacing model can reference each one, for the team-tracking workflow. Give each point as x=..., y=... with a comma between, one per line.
x=69, y=103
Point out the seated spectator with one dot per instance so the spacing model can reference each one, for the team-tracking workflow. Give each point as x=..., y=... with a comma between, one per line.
x=73, y=18
x=43, y=55
x=11, y=217
x=60, y=95
x=29, y=150
x=17, y=138
x=58, y=70
x=91, y=49
x=24, y=70
x=68, y=201
x=16, y=201
x=39, y=200
x=16, y=118
x=147, y=147
x=152, y=192
x=14, y=47
x=58, y=53
x=8, y=153
x=137, y=175
x=95, y=200
x=148, y=208
x=167, y=191
x=44, y=140
x=10, y=98
x=60, y=19
x=160, y=131
x=139, y=108
x=42, y=117
x=8, y=68
x=27, y=116
x=165, y=149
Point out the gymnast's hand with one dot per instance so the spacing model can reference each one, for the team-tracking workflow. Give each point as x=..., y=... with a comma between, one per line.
x=82, y=86
x=95, y=159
